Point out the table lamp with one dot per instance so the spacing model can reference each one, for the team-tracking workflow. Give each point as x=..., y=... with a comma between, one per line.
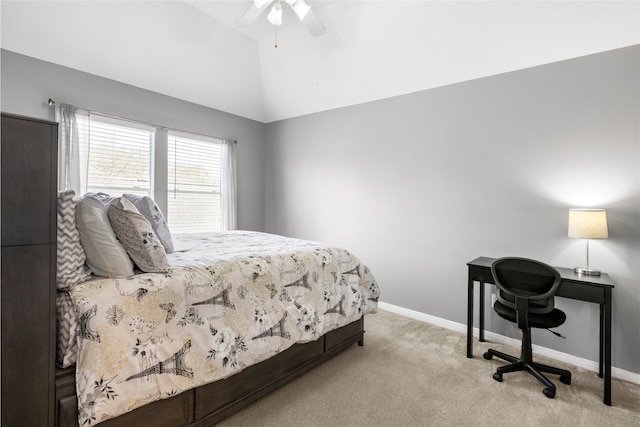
x=588, y=224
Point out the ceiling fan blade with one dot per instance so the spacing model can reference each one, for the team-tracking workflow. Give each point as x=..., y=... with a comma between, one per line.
x=251, y=15
x=312, y=22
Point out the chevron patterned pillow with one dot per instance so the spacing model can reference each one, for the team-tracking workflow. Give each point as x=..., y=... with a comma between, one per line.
x=67, y=330
x=71, y=267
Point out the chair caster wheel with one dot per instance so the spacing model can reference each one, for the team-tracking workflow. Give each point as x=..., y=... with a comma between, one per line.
x=488, y=356
x=549, y=392
x=565, y=380
x=498, y=377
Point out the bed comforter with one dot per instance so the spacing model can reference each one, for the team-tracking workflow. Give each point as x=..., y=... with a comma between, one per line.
x=229, y=300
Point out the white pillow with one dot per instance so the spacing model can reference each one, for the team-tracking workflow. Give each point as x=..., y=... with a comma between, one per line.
x=147, y=207
x=137, y=236
x=103, y=197
x=105, y=255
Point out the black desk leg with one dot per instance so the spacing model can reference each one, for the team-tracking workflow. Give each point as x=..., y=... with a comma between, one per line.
x=481, y=312
x=470, y=318
x=602, y=334
x=607, y=346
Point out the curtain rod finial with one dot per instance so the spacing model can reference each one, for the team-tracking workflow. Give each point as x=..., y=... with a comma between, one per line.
x=50, y=102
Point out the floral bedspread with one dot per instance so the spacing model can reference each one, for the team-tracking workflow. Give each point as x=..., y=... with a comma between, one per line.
x=229, y=300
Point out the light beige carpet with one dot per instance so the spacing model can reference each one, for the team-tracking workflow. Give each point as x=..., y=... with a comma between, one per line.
x=411, y=373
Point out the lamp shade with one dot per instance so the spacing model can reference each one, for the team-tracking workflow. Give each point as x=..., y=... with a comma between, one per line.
x=588, y=224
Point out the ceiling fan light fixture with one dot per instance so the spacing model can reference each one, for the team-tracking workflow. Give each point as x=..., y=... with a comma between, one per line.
x=300, y=7
x=302, y=10
x=275, y=15
x=261, y=3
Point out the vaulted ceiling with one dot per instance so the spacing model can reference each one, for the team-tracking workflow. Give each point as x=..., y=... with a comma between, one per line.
x=371, y=50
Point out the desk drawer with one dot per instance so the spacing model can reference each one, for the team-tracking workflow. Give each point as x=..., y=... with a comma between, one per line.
x=589, y=293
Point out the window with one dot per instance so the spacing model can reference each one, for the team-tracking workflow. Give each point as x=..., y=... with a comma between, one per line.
x=122, y=157
x=194, y=183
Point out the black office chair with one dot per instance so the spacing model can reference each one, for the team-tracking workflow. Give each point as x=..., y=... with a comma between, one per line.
x=525, y=296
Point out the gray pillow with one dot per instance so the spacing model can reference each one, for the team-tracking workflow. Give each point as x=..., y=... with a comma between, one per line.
x=70, y=266
x=105, y=255
x=137, y=236
x=148, y=208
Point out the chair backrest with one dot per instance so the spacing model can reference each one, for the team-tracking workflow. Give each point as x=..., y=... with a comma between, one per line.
x=523, y=277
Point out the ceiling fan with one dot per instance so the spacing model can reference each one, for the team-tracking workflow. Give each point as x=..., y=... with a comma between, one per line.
x=300, y=7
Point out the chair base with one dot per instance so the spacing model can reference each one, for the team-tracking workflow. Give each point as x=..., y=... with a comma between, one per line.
x=535, y=369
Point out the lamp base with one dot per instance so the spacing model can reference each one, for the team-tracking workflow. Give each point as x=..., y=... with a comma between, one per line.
x=586, y=271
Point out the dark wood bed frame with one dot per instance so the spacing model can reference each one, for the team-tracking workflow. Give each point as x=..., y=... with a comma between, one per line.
x=210, y=403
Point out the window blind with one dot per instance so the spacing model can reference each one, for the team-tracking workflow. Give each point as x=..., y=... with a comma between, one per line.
x=120, y=157
x=194, y=182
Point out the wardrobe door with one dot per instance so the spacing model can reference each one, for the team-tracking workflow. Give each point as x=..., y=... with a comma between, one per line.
x=28, y=264
x=29, y=158
x=27, y=360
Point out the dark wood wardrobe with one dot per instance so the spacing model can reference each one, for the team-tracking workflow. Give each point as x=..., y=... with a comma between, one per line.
x=28, y=262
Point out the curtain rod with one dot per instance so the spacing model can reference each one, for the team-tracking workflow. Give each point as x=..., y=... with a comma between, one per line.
x=52, y=103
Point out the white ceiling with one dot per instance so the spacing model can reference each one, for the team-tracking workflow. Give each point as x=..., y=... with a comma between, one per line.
x=371, y=50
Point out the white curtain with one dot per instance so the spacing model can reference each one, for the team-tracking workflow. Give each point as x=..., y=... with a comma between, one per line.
x=229, y=215
x=73, y=143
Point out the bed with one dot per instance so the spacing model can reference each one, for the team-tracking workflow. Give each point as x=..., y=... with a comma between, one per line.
x=225, y=319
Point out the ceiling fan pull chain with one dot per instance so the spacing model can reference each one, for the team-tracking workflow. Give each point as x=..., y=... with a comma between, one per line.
x=275, y=43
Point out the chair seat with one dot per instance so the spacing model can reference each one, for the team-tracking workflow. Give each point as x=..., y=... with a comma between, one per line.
x=552, y=319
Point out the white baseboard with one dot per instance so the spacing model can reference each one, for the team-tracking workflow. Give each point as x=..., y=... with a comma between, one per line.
x=501, y=339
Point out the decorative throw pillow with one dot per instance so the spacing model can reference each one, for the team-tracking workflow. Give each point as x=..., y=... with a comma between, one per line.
x=137, y=236
x=105, y=255
x=67, y=330
x=70, y=268
x=147, y=207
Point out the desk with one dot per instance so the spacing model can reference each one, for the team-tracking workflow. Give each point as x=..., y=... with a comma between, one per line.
x=596, y=289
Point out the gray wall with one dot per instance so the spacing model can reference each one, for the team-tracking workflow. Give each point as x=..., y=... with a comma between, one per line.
x=418, y=185
x=28, y=83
